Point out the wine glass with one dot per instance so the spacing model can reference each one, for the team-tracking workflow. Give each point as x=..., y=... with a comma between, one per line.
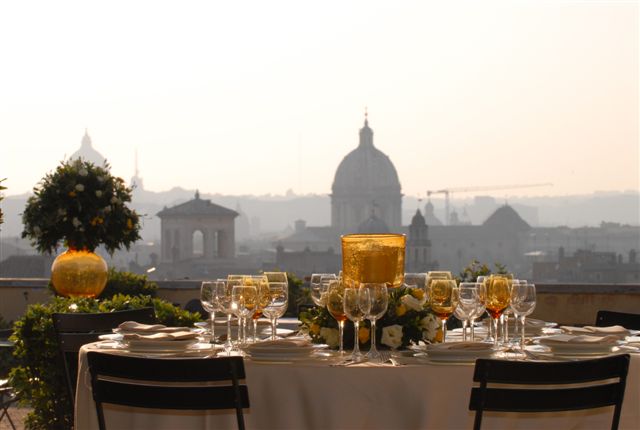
x=444, y=296
x=467, y=305
x=480, y=307
x=223, y=297
x=335, y=306
x=353, y=311
x=498, y=298
x=373, y=299
x=277, y=306
x=244, y=299
x=210, y=304
x=318, y=285
x=523, y=302
x=419, y=281
x=261, y=284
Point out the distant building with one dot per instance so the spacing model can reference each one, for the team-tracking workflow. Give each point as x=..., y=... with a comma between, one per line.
x=418, y=253
x=589, y=266
x=87, y=152
x=366, y=181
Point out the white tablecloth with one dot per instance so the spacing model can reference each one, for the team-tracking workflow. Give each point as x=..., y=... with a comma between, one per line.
x=317, y=396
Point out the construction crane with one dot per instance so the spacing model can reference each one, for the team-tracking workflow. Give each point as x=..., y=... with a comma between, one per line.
x=448, y=191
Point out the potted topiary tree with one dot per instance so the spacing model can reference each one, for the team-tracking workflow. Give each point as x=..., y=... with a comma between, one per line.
x=84, y=206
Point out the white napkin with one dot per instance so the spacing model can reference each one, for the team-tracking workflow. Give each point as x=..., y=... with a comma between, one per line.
x=136, y=327
x=616, y=330
x=176, y=335
x=281, y=344
x=563, y=339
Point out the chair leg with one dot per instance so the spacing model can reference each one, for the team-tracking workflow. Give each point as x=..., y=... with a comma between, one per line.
x=5, y=412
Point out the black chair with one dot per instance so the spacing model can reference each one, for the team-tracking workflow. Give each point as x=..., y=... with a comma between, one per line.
x=76, y=329
x=609, y=318
x=597, y=390
x=119, y=379
x=8, y=395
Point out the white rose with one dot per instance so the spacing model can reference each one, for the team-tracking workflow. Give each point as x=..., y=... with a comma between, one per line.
x=83, y=172
x=392, y=335
x=429, y=326
x=331, y=336
x=79, y=187
x=76, y=222
x=98, y=193
x=411, y=302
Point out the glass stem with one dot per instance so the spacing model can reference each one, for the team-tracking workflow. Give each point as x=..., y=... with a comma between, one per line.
x=444, y=330
x=472, y=323
x=495, y=330
x=522, y=337
x=356, y=340
x=373, y=336
x=341, y=330
x=212, y=320
x=464, y=330
x=229, y=342
x=505, y=328
x=255, y=330
x=273, y=328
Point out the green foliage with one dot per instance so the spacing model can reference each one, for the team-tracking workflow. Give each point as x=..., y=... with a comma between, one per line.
x=39, y=374
x=298, y=295
x=129, y=284
x=475, y=269
x=82, y=204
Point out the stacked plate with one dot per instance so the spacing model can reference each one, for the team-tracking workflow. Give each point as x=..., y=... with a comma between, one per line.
x=281, y=350
x=459, y=351
x=567, y=344
x=156, y=338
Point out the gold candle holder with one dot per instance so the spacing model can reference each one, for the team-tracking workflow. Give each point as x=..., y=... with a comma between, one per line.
x=373, y=258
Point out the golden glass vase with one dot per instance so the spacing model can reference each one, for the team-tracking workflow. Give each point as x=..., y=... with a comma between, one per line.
x=373, y=258
x=79, y=273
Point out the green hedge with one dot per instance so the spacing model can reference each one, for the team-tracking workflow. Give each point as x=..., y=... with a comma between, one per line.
x=39, y=374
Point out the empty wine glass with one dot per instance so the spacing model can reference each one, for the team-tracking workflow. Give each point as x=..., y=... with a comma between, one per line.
x=210, y=304
x=277, y=306
x=335, y=306
x=419, y=281
x=443, y=298
x=354, y=312
x=223, y=297
x=244, y=299
x=467, y=305
x=373, y=299
x=318, y=285
x=480, y=307
x=523, y=302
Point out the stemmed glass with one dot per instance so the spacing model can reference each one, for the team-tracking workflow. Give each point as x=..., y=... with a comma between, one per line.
x=335, y=306
x=354, y=312
x=244, y=299
x=467, y=306
x=444, y=296
x=498, y=298
x=373, y=299
x=419, y=281
x=480, y=307
x=223, y=297
x=261, y=284
x=523, y=302
x=277, y=306
x=210, y=304
x=318, y=285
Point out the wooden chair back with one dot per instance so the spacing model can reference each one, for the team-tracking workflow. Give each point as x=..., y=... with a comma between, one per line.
x=120, y=380
x=76, y=329
x=597, y=389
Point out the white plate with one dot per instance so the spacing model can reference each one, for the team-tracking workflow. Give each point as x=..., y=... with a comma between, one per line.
x=581, y=349
x=158, y=345
x=440, y=352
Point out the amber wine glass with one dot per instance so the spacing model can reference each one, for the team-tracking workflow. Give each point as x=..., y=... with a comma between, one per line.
x=498, y=299
x=262, y=286
x=444, y=297
x=335, y=306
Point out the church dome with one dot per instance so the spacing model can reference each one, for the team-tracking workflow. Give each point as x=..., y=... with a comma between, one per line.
x=507, y=218
x=87, y=152
x=373, y=225
x=366, y=170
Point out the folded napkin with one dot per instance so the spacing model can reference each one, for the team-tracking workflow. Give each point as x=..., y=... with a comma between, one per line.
x=459, y=346
x=176, y=335
x=136, y=327
x=282, y=344
x=616, y=330
x=563, y=339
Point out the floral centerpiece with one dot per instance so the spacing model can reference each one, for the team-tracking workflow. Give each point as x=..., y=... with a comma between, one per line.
x=85, y=206
x=406, y=321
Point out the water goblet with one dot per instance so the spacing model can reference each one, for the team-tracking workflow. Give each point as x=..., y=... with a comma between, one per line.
x=318, y=285
x=353, y=311
x=335, y=306
x=223, y=297
x=210, y=304
x=480, y=307
x=419, y=281
x=277, y=306
x=523, y=302
x=444, y=296
x=261, y=284
x=373, y=299
x=244, y=299
x=467, y=305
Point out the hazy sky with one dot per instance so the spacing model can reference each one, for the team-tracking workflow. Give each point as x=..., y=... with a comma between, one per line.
x=255, y=97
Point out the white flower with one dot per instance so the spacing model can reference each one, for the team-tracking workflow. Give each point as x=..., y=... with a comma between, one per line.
x=429, y=326
x=76, y=222
x=331, y=336
x=83, y=172
x=392, y=335
x=98, y=193
x=411, y=302
x=79, y=187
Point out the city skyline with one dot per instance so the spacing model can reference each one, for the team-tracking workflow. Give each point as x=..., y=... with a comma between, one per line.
x=235, y=100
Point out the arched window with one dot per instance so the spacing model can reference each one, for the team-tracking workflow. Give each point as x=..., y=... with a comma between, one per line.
x=198, y=243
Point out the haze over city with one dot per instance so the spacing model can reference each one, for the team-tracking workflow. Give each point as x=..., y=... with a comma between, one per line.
x=255, y=98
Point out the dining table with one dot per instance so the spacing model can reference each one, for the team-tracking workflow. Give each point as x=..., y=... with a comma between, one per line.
x=316, y=393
